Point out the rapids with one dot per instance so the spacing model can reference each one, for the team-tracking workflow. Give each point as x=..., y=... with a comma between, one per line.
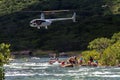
x=35, y=68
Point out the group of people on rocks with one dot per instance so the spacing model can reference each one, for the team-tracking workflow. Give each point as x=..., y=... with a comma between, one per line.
x=79, y=61
x=75, y=61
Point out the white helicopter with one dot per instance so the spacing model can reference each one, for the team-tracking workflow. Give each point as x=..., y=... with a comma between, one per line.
x=42, y=22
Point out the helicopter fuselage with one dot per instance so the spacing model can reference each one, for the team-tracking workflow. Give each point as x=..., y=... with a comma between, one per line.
x=40, y=23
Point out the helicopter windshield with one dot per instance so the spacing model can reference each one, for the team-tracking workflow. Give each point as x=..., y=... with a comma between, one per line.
x=38, y=22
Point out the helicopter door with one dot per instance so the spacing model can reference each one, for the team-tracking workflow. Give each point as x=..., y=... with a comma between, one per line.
x=39, y=22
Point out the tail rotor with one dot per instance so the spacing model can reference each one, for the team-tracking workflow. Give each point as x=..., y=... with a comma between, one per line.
x=74, y=17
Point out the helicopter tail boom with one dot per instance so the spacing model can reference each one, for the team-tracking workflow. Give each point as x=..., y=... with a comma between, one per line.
x=60, y=19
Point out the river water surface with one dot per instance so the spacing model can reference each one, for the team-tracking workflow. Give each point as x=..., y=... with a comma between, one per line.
x=38, y=69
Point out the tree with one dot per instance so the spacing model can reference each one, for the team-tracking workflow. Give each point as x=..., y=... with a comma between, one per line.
x=116, y=37
x=10, y=6
x=1, y=73
x=4, y=57
x=99, y=44
x=111, y=55
x=113, y=5
x=4, y=53
x=86, y=55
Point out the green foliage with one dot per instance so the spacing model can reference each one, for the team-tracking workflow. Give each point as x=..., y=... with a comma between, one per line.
x=93, y=53
x=116, y=37
x=99, y=44
x=4, y=53
x=1, y=59
x=2, y=75
x=110, y=50
x=113, y=6
x=111, y=55
x=10, y=6
x=4, y=57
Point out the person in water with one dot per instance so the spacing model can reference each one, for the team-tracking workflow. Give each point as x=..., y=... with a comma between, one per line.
x=54, y=59
x=69, y=63
x=95, y=63
x=90, y=61
x=75, y=60
x=72, y=60
x=81, y=60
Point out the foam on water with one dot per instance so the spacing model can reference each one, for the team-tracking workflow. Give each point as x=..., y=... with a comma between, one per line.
x=56, y=63
x=35, y=58
x=18, y=74
x=43, y=70
x=19, y=65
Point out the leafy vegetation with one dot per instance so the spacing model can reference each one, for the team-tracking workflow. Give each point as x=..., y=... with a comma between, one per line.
x=116, y=37
x=95, y=18
x=93, y=53
x=110, y=51
x=111, y=55
x=4, y=57
x=4, y=53
x=113, y=5
x=100, y=44
x=1, y=73
x=10, y=6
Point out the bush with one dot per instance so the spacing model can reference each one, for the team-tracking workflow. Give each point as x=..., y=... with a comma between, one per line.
x=116, y=37
x=99, y=44
x=1, y=73
x=93, y=53
x=111, y=55
x=4, y=53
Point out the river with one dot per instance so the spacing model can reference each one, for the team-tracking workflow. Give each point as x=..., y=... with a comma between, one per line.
x=38, y=69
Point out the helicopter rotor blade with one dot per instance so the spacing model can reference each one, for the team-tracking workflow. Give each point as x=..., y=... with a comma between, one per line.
x=52, y=11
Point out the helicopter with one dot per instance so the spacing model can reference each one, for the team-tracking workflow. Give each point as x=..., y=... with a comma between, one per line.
x=42, y=22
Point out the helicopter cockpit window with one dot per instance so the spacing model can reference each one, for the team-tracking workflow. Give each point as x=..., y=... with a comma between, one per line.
x=38, y=22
